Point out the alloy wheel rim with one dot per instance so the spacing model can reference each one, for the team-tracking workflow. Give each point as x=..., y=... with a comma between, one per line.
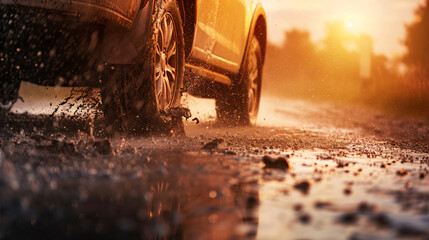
x=253, y=75
x=166, y=62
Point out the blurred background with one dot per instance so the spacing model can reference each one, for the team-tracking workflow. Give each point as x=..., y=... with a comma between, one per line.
x=371, y=52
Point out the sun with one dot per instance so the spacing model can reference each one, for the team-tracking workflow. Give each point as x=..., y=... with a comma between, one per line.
x=351, y=25
x=354, y=24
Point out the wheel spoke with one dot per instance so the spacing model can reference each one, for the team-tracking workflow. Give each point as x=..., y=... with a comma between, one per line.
x=167, y=91
x=158, y=71
x=159, y=83
x=171, y=70
x=172, y=50
x=169, y=31
x=158, y=50
x=171, y=79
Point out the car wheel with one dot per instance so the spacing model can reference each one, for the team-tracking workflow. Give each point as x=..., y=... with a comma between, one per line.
x=239, y=106
x=137, y=98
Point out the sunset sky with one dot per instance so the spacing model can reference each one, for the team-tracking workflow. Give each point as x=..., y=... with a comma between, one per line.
x=384, y=20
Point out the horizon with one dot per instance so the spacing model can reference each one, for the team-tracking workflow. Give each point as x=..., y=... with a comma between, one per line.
x=364, y=17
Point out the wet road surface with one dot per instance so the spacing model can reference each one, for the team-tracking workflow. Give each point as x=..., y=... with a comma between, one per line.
x=352, y=173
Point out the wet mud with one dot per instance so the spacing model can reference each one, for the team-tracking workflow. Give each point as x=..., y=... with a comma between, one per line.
x=62, y=179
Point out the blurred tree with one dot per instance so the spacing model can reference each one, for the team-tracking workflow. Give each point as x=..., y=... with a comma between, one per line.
x=417, y=40
x=337, y=38
x=340, y=60
x=298, y=45
x=298, y=52
x=294, y=62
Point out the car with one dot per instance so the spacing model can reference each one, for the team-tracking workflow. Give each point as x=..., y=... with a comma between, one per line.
x=142, y=54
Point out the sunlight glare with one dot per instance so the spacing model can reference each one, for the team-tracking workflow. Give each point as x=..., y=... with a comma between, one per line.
x=350, y=25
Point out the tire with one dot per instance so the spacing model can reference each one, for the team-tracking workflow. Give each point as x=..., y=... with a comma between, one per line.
x=136, y=98
x=239, y=105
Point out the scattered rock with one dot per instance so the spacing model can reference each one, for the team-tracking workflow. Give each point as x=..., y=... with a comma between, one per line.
x=321, y=204
x=348, y=218
x=402, y=173
x=340, y=165
x=213, y=144
x=382, y=220
x=305, y=218
x=231, y=153
x=298, y=207
x=303, y=186
x=365, y=207
x=348, y=191
x=103, y=147
x=279, y=163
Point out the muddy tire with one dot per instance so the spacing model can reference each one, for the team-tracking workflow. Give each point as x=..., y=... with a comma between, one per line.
x=239, y=105
x=136, y=98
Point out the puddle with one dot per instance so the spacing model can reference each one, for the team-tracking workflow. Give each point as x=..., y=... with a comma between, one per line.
x=350, y=194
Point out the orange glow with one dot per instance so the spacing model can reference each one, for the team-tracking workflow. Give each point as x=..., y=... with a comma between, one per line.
x=375, y=18
x=341, y=50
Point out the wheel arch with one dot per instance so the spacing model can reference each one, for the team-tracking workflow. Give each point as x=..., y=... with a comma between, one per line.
x=188, y=10
x=258, y=28
x=261, y=34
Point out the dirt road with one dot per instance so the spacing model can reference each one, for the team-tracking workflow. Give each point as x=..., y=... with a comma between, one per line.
x=353, y=173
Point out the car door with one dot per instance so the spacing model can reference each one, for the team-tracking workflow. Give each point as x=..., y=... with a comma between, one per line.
x=205, y=32
x=231, y=33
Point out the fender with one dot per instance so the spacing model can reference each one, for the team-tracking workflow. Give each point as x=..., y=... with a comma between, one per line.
x=259, y=12
x=122, y=46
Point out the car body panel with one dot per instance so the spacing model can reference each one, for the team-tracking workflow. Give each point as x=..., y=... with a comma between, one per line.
x=220, y=39
x=205, y=34
x=122, y=12
x=222, y=30
x=232, y=29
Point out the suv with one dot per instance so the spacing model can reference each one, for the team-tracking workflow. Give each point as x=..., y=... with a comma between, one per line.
x=142, y=54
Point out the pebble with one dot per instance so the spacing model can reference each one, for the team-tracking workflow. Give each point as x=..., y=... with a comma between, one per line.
x=349, y=218
x=402, y=173
x=279, y=163
x=347, y=191
x=303, y=187
x=305, y=218
x=213, y=144
x=381, y=219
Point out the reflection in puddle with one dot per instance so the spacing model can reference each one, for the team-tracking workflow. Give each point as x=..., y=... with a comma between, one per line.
x=147, y=195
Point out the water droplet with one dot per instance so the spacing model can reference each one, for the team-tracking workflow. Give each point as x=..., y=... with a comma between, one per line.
x=213, y=194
